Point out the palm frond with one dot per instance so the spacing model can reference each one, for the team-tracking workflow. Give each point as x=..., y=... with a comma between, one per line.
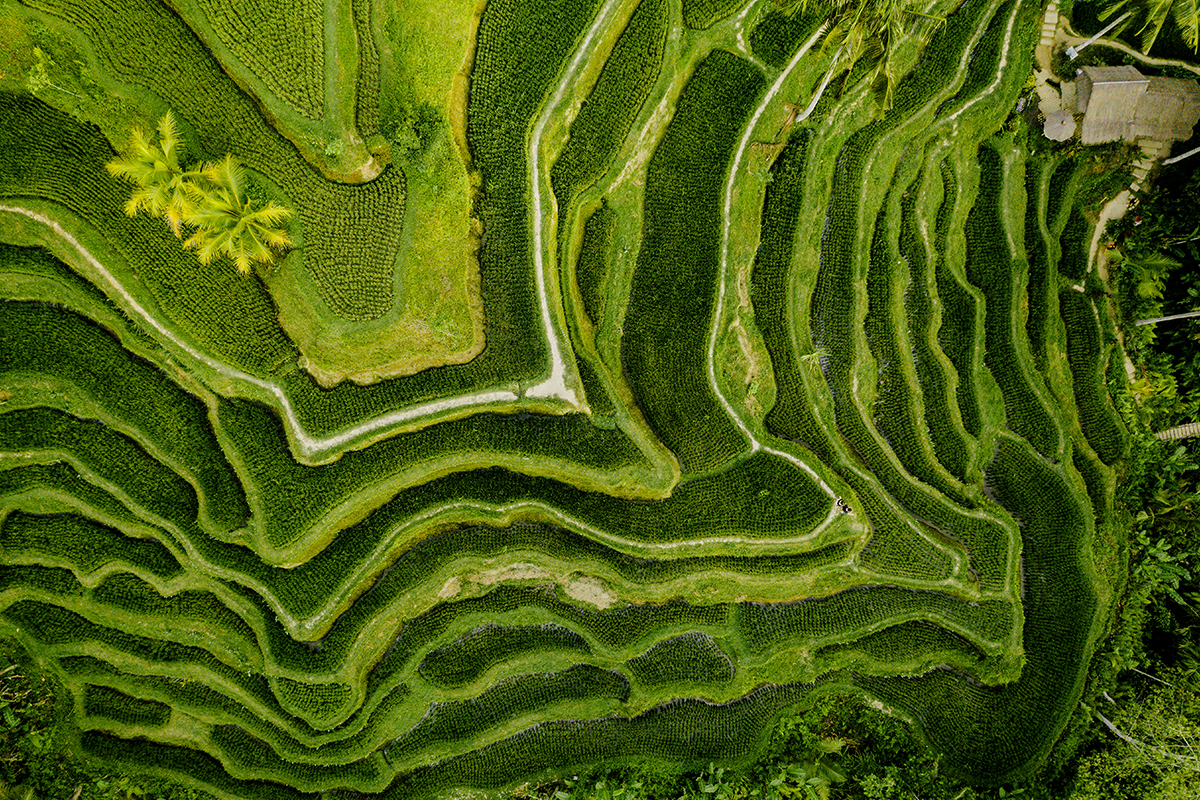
x=1157, y=12
x=258, y=249
x=179, y=211
x=1153, y=15
x=168, y=140
x=210, y=250
x=1187, y=18
x=874, y=48
x=227, y=174
x=240, y=249
x=209, y=197
x=1112, y=8
x=209, y=206
x=141, y=148
x=883, y=84
x=123, y=168
x=208, y=219
x=834, y=43
x=180, y=197
x=160, y=199
x=271, y=214
x=135, y=202
x=196, y=192
x=139, y=164
x=277, y=238
x=790, y=8
x=936, y=19
x=194, y=241
x=206, y=245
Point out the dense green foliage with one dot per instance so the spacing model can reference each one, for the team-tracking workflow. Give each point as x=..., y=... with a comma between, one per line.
x=703, y=13
x=670, y=306
x=1155, y=274
x=608, y=113
x=351, y=233
x=291, y=65
x=211, y=198
x=775, y=416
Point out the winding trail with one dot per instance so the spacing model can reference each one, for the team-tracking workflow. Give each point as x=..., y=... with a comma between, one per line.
x=726, y=213
x=725, y=257
x=556, y=385
x=1071, y=37
x=739, y=25
x=310, y=446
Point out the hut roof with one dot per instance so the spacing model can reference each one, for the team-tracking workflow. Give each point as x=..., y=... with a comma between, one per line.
x=1168, y=110
x=1060, y=126
x=1121, y=103
x=1109, y=98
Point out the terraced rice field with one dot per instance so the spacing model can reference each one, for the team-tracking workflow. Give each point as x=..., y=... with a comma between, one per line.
x=766, y=409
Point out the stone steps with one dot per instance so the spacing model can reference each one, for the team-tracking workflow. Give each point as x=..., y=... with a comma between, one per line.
x=1049, y=24
x=1180, y=431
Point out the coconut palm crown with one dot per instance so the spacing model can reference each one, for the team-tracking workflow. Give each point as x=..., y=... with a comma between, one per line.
x=227, y=223
x=161, y=179
x=1154, y=15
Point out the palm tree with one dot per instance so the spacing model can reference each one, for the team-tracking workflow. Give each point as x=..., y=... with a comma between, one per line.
x=1154, y=14
x=155, y=168
x=227, y=224
x=858, y=29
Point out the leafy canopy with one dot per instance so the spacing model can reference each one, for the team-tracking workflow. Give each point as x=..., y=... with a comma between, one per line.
x=1154, y=15
x=227, y=223
x=211, y=198
x=155, y=168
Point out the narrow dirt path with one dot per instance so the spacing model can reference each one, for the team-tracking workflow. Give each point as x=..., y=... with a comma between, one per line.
x=1115, y=208
x=723, y=272
x=556, y=384
x=1068, y=36
x=310, y=446
x=726, y=221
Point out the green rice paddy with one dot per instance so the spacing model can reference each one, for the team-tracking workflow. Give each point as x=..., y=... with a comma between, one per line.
x=608, y=413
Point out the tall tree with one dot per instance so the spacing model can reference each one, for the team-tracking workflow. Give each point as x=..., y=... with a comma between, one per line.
x=863, y=29
x=162, y=181
x=1154, y=15
x=227, y=223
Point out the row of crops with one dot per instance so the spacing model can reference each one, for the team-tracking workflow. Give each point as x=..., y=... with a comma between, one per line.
x=471, y=599
x=351, y=233
x=281, y=43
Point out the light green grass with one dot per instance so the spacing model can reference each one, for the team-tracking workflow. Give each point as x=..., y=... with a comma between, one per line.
x=436, y=318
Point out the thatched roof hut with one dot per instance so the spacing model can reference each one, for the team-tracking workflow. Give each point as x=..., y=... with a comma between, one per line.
x=1108, y=98
x=1122, y=103
x=1168, y=110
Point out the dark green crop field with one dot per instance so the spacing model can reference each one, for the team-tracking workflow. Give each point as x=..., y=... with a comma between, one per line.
x=635, y=372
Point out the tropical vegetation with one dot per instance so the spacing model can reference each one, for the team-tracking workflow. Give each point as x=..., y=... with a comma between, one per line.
x=635, y=416
x=866, y=33
x=211, y=198
x=1153, y=16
